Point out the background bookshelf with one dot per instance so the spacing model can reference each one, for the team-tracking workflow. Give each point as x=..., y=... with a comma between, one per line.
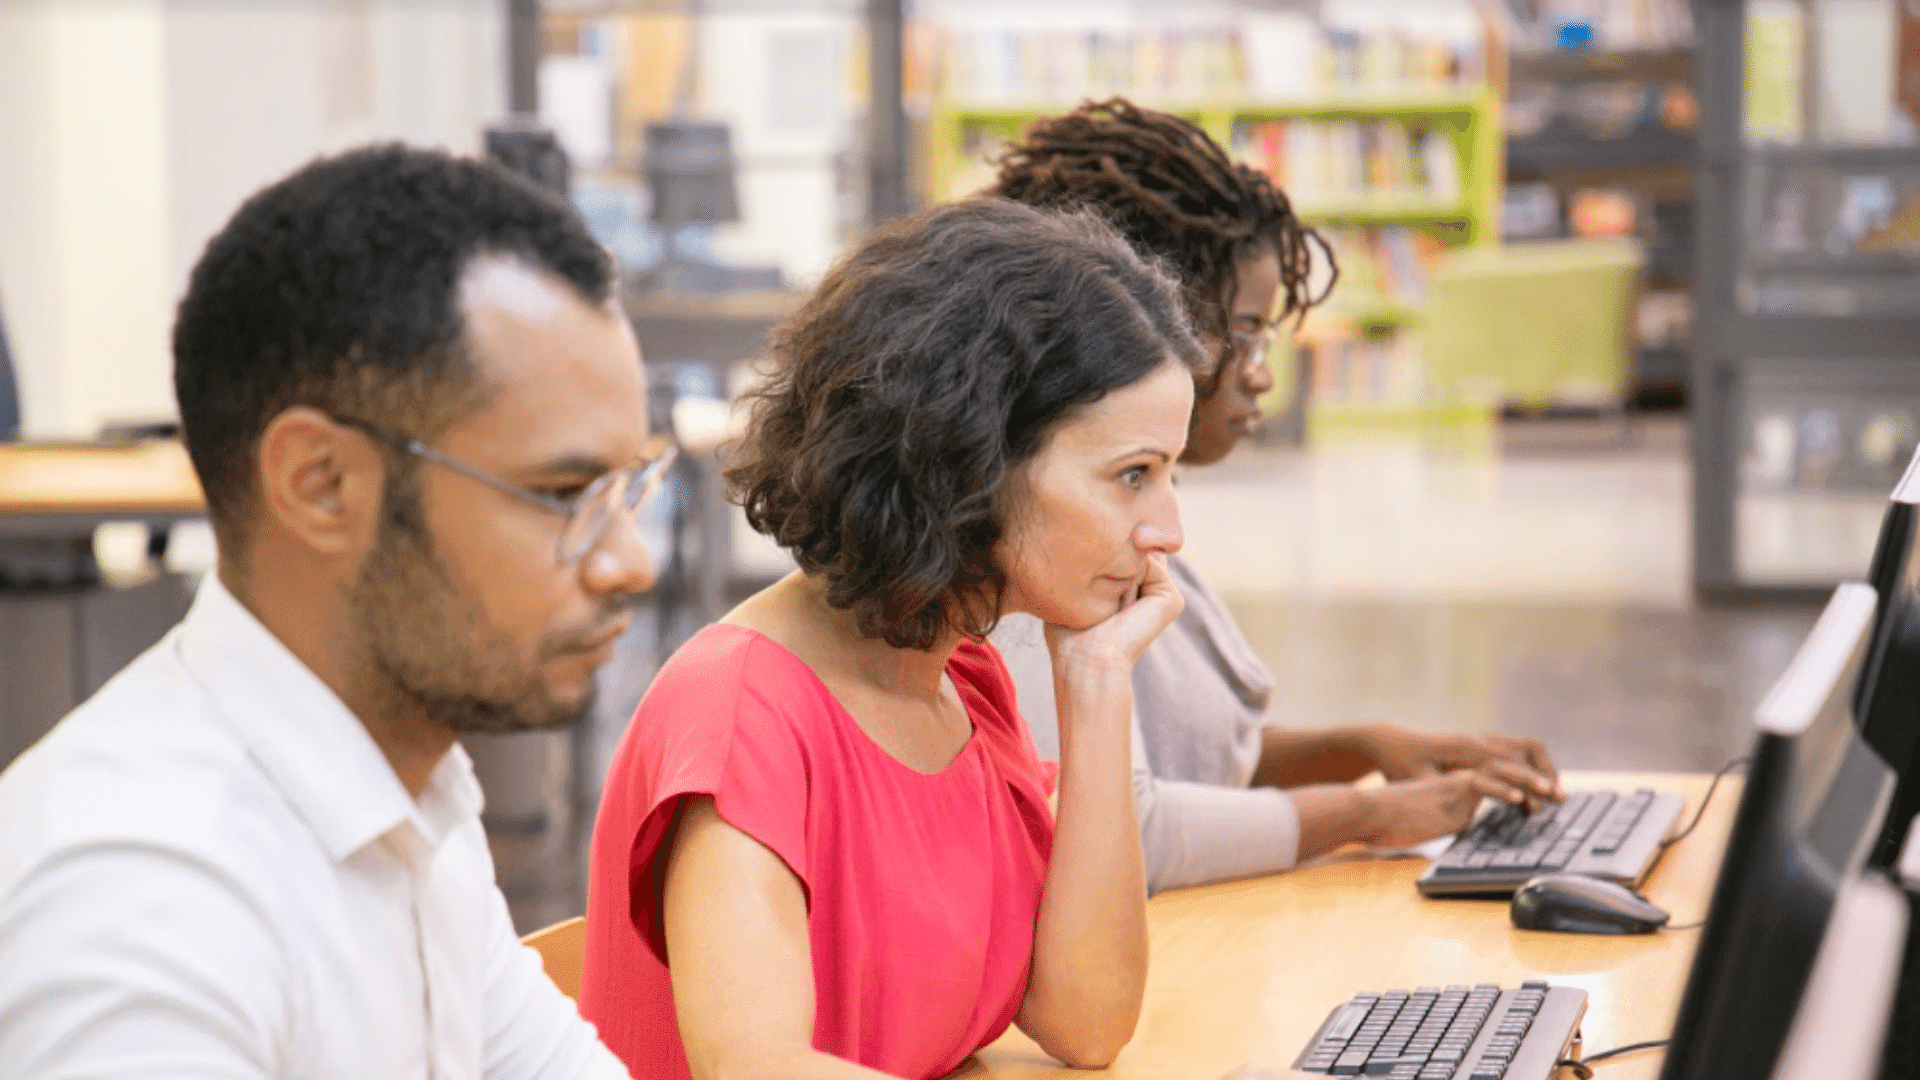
x=1806, y=387
x=1601, y=141
x=1386, y=135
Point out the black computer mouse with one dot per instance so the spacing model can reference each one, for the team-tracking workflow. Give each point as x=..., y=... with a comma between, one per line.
x=1578, y=904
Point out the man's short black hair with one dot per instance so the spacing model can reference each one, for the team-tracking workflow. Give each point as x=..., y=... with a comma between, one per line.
x=338, y=288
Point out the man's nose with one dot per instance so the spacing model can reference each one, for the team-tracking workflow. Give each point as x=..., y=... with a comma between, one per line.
x=620, y=563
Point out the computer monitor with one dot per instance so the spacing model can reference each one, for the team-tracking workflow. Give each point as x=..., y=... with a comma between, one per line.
x=1814, y=799
x=1887, y=701
x=1844, y=1015
x=9, y=389
x=1900, y=1059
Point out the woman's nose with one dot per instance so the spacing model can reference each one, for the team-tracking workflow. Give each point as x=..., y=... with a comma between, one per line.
x=1161, y=531
x=1259, y=374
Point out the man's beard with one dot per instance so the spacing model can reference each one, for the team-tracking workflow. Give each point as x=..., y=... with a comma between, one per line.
x=434, y=649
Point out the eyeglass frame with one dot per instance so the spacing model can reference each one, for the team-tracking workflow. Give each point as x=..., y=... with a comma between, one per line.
x=647, y=480
x=1252, y=347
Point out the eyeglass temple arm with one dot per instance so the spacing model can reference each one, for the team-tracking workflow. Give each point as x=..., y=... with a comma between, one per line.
x=420, y=449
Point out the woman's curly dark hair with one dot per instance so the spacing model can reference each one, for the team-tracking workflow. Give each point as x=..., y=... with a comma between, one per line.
x=908, y=391
x=1170, y=190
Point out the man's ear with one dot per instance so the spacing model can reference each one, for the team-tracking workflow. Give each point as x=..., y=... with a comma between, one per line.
x=320, y=481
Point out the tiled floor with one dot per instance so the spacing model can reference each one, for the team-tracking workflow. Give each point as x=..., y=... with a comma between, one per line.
x=1533, y=581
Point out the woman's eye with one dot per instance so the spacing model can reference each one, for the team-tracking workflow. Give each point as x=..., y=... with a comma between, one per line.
x=1135, y=476
x=568, y=493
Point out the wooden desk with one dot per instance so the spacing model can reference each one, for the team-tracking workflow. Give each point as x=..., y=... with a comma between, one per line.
x=1246, y=971
x=59, y=642
x=59, y=491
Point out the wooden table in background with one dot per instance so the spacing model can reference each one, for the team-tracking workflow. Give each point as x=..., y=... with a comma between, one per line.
x=1246, y=971
x=64, y=633
x=55, y=491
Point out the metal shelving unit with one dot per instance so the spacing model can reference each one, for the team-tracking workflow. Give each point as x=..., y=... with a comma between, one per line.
x=1806, y=382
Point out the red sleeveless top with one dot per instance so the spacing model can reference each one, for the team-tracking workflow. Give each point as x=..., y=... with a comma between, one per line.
x=922, y=889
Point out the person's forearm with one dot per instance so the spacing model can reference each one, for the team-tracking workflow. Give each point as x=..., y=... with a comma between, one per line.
x=1290, y=759
x=1334, y=815
x=1090, y=943
x=1192, y=834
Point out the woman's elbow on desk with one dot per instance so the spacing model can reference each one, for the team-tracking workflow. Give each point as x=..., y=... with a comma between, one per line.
x=1081, y=1052
x=1078, y=1041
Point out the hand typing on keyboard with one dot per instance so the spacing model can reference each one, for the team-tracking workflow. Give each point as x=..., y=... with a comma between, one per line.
x=1412, y=811
x=1517, y=770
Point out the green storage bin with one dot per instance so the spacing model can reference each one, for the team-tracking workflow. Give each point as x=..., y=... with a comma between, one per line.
x=1535, y=324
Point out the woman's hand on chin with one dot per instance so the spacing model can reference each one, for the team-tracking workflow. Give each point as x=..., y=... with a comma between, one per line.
x=1119, y=639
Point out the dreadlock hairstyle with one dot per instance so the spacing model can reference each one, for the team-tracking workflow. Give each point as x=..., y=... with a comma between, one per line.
x=1172, y=191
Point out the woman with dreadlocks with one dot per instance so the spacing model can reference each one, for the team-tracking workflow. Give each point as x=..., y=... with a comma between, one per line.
x=1220, y=793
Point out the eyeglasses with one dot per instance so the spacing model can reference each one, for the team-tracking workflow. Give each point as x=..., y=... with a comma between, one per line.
x=1250, y=347
x=590, y=515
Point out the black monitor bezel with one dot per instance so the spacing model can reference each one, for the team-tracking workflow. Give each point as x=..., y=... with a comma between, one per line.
x=1774, y=894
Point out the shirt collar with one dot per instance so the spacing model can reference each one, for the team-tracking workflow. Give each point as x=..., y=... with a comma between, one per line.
x=314, y=748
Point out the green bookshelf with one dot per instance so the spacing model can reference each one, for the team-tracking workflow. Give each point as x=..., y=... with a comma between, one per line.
x=959, y=134
x=1470, y=120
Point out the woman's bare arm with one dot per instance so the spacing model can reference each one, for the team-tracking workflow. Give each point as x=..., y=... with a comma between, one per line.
x=740, y=957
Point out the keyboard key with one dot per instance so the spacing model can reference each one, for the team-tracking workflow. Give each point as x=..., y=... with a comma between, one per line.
x=1351, y=1016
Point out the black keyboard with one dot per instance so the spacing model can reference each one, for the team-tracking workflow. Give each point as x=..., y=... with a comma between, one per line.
x=1457, y=1033
x=1599, y=833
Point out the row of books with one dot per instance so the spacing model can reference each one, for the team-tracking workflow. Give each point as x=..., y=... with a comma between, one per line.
x=1389, y=262
x=1828, y=444
x=1259, y=56
x=1348, y=370
x=1605, y=24
x=993, y=64
x=1841, y=215
x=1346, y=161
x=1832, y=73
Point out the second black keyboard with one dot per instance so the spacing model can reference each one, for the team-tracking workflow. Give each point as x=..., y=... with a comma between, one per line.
x=1599, y=833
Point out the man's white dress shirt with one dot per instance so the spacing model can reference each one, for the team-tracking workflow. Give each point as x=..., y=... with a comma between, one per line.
x=209, y=870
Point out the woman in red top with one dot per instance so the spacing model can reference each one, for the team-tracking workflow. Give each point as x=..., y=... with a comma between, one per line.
x=826, y=848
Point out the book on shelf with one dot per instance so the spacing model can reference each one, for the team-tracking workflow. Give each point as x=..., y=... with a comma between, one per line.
x=984, y=59
x=1775, y=107
x=1343, y=162
x=1386, y=265
x=1344, y=369
x=1615, y=25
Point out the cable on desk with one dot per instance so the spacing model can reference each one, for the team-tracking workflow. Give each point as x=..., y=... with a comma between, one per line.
x=1583, y=1068
x=1702, y=812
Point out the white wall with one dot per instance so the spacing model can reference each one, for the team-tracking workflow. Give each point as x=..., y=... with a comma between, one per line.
x=83, y=209
x=131, y=129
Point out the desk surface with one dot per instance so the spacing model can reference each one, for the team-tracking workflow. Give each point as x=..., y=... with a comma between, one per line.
x=54, y=480
x=1246, y=971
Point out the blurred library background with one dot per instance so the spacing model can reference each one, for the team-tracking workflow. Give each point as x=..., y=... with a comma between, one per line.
x=1621, y=366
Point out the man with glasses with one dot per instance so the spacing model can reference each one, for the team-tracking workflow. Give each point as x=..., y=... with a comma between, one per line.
x=419, y=418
